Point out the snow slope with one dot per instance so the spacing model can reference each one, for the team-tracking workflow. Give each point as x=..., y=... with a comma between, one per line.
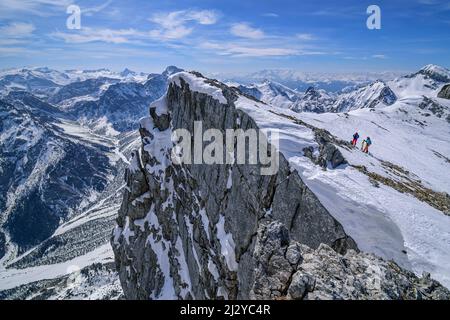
x=380, y=219
x=427, y=81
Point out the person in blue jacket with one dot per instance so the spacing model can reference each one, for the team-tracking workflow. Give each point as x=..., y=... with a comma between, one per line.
x=367, y=145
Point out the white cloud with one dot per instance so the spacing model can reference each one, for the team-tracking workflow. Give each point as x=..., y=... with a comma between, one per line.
x=14, y=8
x=173, y=25
x=45, y=8
x=429, y=2
x=379, y=56
x=260, y=52
x=16, y=51
x=11, y=42
x=17, y=33
x=355, y=58
x=236, y=50
x=305, y=36
x=17, y=30
x=202, y=17
x=6, y=51
x=243, y=30
x=270, y=15
x=86, y=35
x=172, y=33
x=90, y=11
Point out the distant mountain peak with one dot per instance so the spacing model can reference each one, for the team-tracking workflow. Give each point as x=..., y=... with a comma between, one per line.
x=369, y=96
x=274, y=85
x=436, y=72
x=43, y=69
x=127, y=72
x=310, y=90
x=379, y=81
x=434, y=67
x=171, y=70
x=96, y=70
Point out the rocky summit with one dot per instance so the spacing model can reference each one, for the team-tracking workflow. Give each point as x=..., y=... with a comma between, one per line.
x=187, y=231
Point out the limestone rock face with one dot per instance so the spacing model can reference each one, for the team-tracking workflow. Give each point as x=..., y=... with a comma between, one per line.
x=195, y=231
x=325, y=274
x=445, y=92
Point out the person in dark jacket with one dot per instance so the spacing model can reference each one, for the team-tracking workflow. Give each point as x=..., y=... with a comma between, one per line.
x=355, y=138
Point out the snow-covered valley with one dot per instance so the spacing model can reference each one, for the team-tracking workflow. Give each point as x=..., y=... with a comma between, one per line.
x=63, y=158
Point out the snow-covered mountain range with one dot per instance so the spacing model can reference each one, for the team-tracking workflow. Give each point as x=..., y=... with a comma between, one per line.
x=66, y=139
x=301, y=81
x=427, y=81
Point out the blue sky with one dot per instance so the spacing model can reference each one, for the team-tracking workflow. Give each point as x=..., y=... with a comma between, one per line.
x=226, y=36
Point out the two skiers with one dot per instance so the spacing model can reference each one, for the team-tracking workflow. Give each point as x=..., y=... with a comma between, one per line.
x=365, y=144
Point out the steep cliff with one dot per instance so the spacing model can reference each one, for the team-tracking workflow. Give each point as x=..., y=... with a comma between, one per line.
x=197, y=231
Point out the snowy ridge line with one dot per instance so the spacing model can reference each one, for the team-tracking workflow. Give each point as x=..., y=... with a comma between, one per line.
x=66, y=77
x=400, y=179
x=198, y=84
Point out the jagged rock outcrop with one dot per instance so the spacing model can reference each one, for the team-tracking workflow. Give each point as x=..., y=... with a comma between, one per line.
x=286, y=269
x=445, y=92
x=439, y=110
x=189, y=231
x=193, y=231
x=313, y=100
x=329, y=154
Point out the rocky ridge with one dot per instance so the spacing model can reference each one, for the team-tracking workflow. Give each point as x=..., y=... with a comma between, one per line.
x=286, y=269
x=445, y=92
x=196, y=231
